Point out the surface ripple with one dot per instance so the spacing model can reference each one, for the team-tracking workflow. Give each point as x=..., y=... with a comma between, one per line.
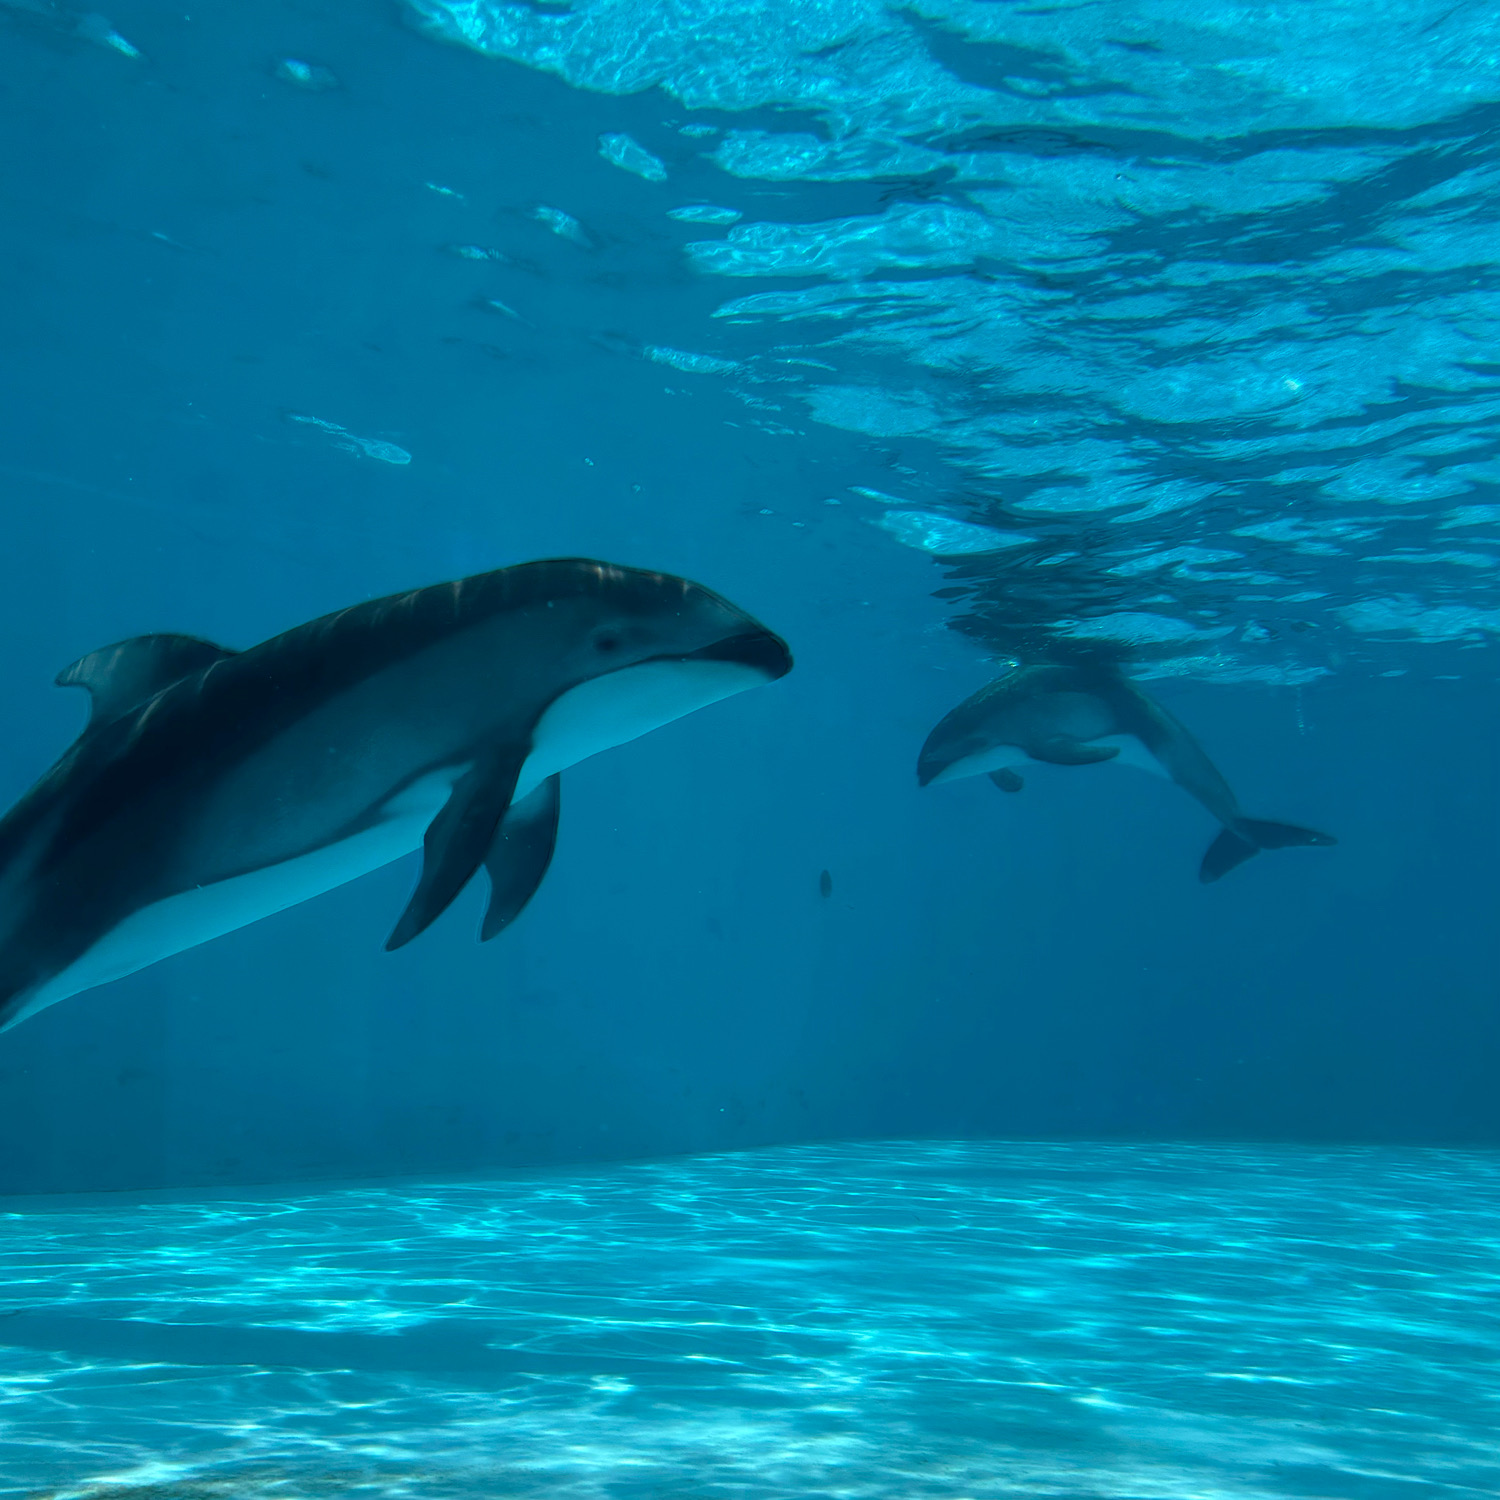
x=1173, y=323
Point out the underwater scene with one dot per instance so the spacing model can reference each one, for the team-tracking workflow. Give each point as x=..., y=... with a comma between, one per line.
x=750, y=750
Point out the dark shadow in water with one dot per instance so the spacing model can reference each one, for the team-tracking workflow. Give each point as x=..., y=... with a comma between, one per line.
x=443, y=1346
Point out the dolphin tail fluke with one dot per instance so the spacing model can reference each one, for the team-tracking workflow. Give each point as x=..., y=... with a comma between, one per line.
x=1226, y=851
x=1249, y=836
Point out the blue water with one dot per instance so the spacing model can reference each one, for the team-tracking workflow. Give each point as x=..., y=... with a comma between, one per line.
x=888, y=1319
x=940, y=336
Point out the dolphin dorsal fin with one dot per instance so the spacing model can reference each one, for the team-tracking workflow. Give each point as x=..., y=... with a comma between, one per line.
x=122, y=676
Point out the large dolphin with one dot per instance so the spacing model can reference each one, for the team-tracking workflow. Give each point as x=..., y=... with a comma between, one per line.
x=1077, y=715
x=214, y=787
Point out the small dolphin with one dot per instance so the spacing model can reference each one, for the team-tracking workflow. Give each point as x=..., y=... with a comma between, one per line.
x=214, y=787
x=1077, y=716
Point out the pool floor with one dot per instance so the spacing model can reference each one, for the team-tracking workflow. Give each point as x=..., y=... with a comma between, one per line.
x=902, y=1319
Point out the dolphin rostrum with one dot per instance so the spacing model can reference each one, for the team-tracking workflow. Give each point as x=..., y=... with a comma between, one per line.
x=1077, y=715
x=214, y=787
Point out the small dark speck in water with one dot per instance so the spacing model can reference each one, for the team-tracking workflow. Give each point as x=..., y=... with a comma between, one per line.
x=825, y=885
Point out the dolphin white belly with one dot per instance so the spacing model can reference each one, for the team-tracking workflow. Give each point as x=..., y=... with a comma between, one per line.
x=191, y=917
x=622, y=706
x=991, y=758
x=595, y=716
x=1132, y=753
x=1013, y=758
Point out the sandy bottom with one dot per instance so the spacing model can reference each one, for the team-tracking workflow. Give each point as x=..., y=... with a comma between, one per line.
x=894, y=1319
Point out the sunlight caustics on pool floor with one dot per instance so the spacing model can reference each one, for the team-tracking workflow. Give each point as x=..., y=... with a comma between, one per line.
x=907, y=1319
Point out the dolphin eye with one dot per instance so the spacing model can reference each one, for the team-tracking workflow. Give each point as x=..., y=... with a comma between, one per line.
x=607, y=642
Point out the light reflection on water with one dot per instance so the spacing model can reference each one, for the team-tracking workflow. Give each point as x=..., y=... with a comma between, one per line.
x=1199, y=308
x=934, y=1319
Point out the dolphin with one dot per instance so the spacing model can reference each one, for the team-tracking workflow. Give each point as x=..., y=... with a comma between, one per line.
x=214, y=787
x=1077, y=715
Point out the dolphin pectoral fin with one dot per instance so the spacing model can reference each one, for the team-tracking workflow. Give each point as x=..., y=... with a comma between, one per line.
x=1249, y=836
x=1007, y=780
x=123, y=676
x=456, y=841
x=518, y=856
x=1061, y=751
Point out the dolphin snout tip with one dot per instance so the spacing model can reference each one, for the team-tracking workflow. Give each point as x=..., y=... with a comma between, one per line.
x=930, y=765
x=758, y=649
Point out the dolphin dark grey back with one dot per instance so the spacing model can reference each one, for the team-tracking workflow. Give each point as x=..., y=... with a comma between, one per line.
x=248, y=697
x=437, y=718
